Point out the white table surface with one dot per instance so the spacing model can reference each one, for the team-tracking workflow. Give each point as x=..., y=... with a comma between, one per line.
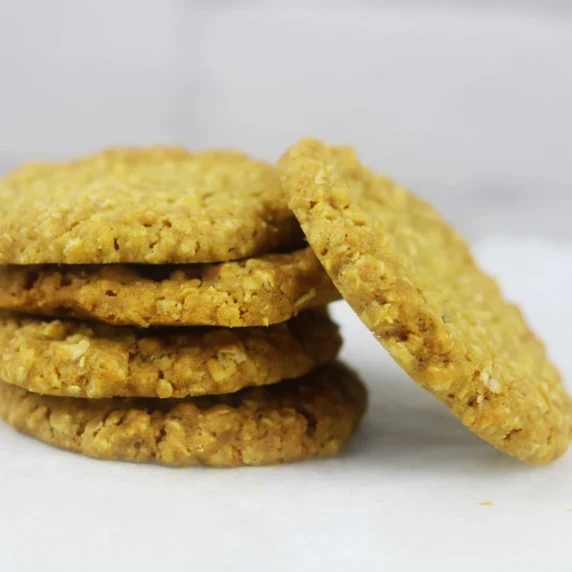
x=413, y=491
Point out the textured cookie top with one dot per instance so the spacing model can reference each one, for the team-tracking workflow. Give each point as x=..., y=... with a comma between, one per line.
x=291, y=421
x=96, y=360
x=414, y=283
x=252, y=292
x=155, y=205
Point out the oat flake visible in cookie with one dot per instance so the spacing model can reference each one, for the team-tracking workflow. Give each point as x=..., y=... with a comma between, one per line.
x=68, y=358
x=252, y=292
x=294, y=420
x=413, y=282
x=152, y=205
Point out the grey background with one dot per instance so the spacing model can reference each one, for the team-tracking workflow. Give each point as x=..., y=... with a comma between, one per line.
x=467, y=102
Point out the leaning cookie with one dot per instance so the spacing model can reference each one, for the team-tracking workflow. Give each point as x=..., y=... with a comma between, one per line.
x=413, y=282
x=294, y=420
x=68, y=358
x=154, y=205
x=252, y=292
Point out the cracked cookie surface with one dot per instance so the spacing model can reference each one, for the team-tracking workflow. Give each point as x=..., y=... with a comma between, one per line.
x=252, y=292
x=413, y=282
x=294, y=420
x=69, y=358
x=154, y=205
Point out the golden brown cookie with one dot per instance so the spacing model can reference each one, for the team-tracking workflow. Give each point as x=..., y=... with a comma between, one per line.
x=252, y=292
x=414, y=283
x=294, y=420
x=69, y=358
x=154, y=205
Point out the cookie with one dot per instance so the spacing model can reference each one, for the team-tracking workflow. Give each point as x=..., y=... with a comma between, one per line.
x=294, y=420
x=252, y=292
x=153, y=205
x=413, y=282
x=68, y=358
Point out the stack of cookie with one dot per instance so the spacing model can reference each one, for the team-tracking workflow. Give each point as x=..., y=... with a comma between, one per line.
x=161, y=306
